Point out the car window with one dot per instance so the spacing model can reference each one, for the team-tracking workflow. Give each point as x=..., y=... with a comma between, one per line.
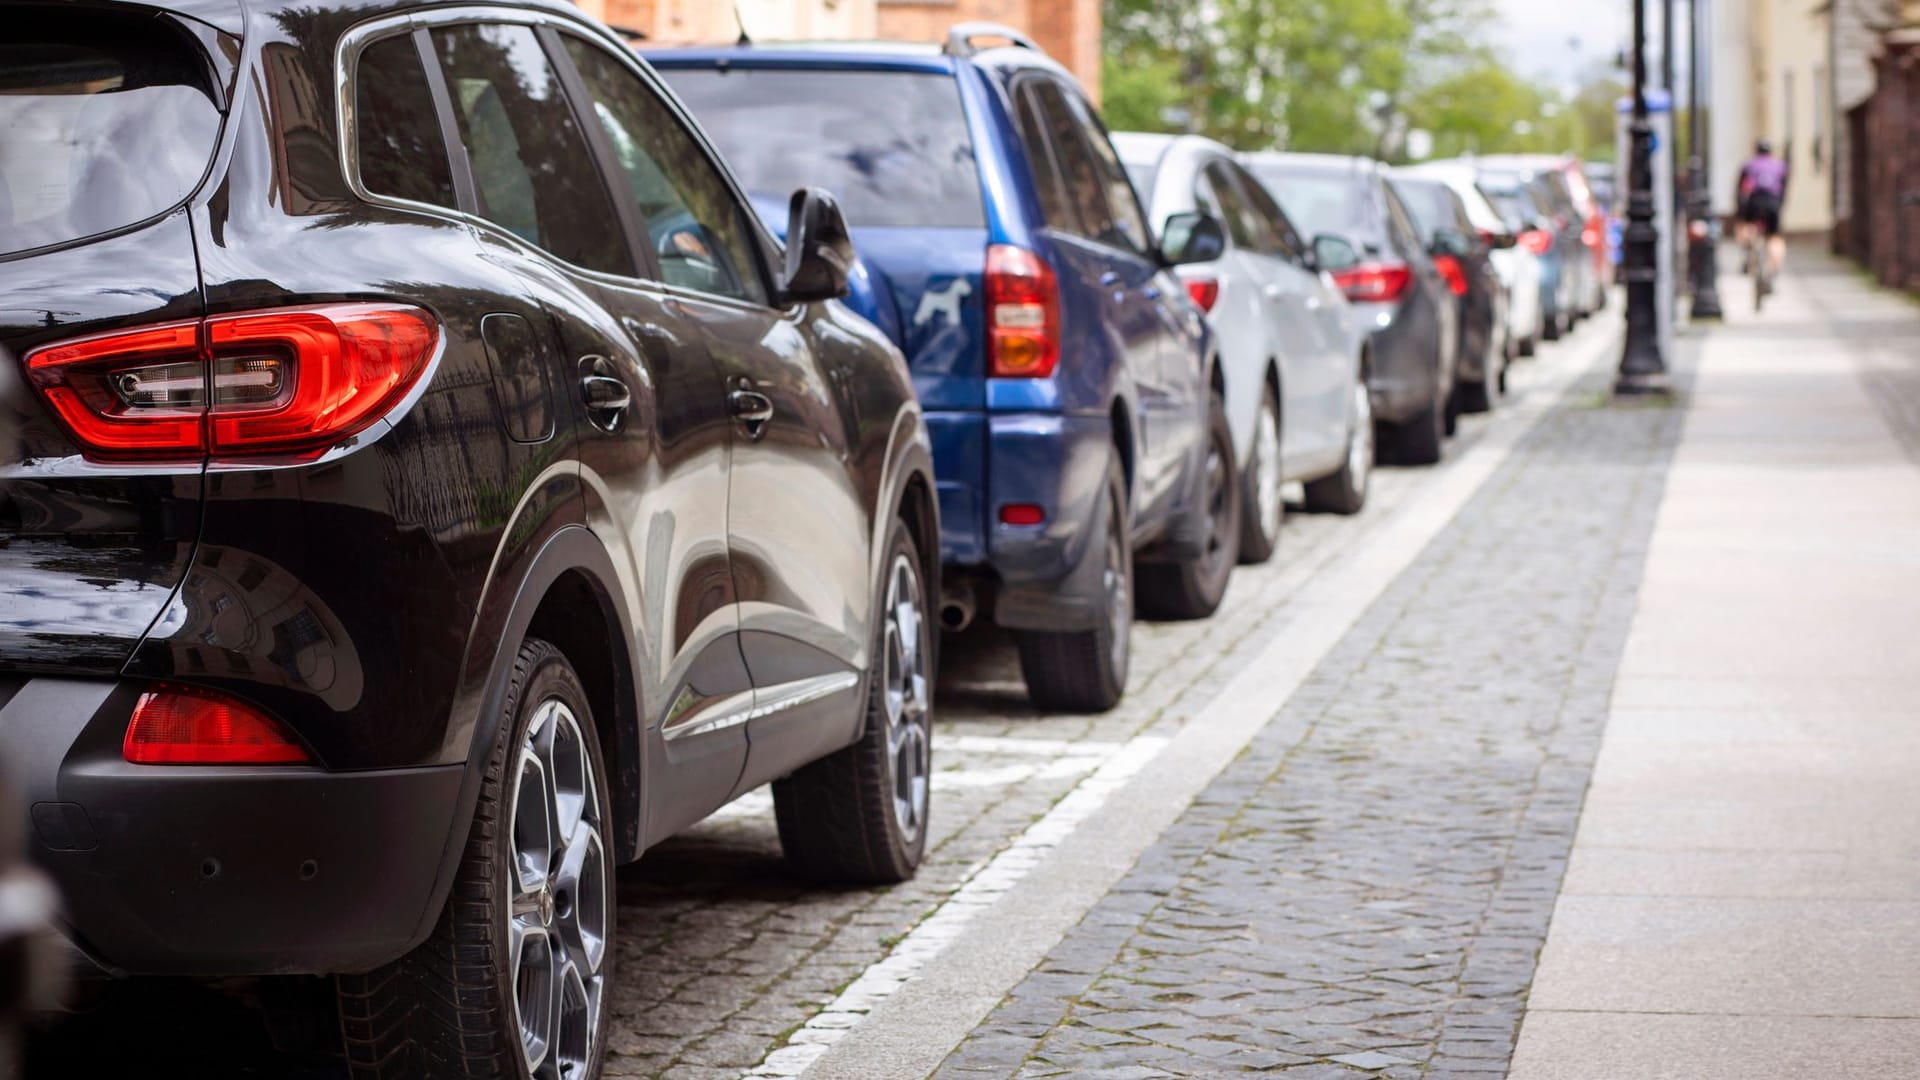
x=1429, y=203
x=1130, y=222
x=1080, y=179
x=697, y=226
x=1229, y=206
x=1056, y=208
x=892, y=146
x=106, y=119
x=397, y=137
x=1400, y=223
x=532, y=171
x=1283, y=242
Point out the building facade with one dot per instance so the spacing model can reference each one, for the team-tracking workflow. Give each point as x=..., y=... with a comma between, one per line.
x=1069, y=30
x=1771, y=72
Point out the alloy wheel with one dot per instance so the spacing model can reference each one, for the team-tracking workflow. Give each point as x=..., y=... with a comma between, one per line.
x=1266, y=471
x=907, y=698
x=1220, y=523
x=1360, y=439
x=1119, y=595
x=561, y=897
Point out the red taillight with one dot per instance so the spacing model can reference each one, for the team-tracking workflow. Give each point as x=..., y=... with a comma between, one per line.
x=1204, y=291
x=287, y=382
x=1590, y=236
x=1023, y=314
x=185, y=725
x=1374, y=282
x=1022, y=514
x=1537, y=241
x=1455, y=274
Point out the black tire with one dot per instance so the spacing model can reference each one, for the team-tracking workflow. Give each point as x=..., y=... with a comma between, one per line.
x=1193, y=588
x=1419, y=440
x=1552, y=330
x=1345, y=492
x=448, y=1008
x=1479, y=397
x=1528, y=346
x=1086, y=671
x=842, y=817
x=1260, y=476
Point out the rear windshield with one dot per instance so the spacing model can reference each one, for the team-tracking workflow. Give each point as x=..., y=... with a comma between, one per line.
x=892, y=147
x=105, y=120
x=1431, y=204
x=1316, y=200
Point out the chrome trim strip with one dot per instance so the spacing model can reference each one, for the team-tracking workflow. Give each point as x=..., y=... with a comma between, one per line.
x=771, y=701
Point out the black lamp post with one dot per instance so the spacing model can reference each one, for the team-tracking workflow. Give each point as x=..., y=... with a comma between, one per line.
x=1703, y=263
x=1642, y=369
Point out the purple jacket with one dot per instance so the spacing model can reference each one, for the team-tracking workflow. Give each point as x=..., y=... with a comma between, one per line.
x=1764, y=172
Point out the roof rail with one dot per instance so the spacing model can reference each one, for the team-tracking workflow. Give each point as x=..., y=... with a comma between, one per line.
x=960, y=39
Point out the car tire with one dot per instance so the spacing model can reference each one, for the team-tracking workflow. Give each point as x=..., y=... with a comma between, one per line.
x=1529, y=346
x=1479, y=397
x=1086, y=671
x=524, y=906
x=859, y=815
x=1550, y=331
x=1419, y=440
x=1345, y=492
x=1193, y=588
x=1262, y=510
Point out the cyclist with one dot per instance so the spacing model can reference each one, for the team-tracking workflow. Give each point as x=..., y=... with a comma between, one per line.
x=1763, y=189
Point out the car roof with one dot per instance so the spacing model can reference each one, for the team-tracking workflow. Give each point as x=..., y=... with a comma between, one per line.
x=848, y=56
x=1352, y=163
x=231, y=15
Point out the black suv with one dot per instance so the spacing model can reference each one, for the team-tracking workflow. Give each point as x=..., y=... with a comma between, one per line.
x=428, y=485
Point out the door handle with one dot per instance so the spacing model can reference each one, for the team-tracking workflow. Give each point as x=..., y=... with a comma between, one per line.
x=1273, y=292
x=607, y=400
x=751, y=408
x=1110, y=278
x=1151, y=292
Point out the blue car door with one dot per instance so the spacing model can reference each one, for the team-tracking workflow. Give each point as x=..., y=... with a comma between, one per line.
x=1110, y=264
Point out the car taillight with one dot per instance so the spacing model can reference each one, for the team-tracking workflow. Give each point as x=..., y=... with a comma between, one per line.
x=186, y=725
x=290, y=382
x=1537, y=241
x=1374, y=282
x=1590, y=236
x=1204, y=291
x=1023, y=314
x=1455, y=274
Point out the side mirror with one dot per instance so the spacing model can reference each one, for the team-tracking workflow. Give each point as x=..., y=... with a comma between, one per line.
x=819, y=248
x=1191, y=237
x=1335, y=253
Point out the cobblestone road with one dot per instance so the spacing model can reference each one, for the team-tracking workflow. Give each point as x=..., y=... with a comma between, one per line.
x=723, y=953
x=1370, y=899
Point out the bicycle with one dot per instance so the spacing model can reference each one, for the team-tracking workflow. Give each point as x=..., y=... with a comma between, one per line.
x=1758, y=257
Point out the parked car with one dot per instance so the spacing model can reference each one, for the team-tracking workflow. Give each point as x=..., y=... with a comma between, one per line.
x=1366, y=239
x=1518, y=267
x=1523, y=201
x=399, y=539
x=1582, y=218
x=1072, y=391
x=1465, y=260
x=1295, y=368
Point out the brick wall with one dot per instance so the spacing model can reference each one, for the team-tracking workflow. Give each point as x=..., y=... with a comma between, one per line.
x=1893, y=163
x=1069, y=30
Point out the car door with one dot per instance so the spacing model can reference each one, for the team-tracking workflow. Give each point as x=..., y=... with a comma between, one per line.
x=798, y=530
x=1282, y=299
x=648, y=401
x=1117, y=286
x=1325, y=336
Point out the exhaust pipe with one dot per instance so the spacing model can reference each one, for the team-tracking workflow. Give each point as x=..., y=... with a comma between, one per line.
x=956, y=608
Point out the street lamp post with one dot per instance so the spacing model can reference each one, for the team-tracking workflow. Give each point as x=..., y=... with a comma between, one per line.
x=1642, y=369
x=1703, y=263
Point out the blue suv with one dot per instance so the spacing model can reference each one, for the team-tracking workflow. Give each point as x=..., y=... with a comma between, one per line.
x=1069, y=385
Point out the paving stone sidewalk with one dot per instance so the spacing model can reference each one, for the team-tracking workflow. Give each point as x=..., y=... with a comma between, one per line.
x=1370, y=900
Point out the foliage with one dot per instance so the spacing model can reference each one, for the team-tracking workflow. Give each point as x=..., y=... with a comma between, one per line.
x=1339, y=76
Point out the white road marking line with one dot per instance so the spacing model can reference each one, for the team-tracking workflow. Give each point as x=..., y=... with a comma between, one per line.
x=979, y=892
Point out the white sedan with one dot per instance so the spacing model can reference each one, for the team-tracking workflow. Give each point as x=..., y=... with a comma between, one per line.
x=1293, y=365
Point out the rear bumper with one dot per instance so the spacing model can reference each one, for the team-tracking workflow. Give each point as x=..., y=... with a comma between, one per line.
x=1054, y=461
x=191, y=870
x=1404, y=379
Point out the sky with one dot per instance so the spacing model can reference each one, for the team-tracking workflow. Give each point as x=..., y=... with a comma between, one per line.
x=1535, y=34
